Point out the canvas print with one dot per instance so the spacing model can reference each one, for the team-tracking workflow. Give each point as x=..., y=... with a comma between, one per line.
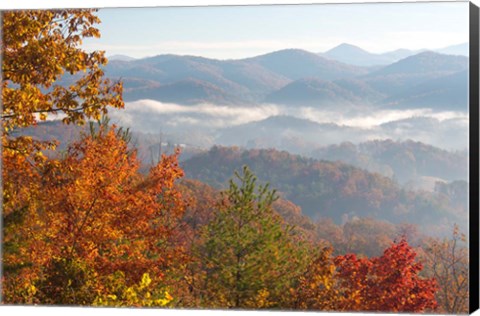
x=279, y=157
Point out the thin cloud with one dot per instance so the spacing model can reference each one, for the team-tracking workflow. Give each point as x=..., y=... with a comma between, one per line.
x=442, y=129
x=203, y=114
x=222, y=116
x=375, y=118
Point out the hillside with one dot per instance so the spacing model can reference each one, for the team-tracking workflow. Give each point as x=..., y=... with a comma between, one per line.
x=458, y=49
x=287, y=132
x=405, y=161
x=188, y=91
x=324, y=94
x=414, y=70
x=296, y=63
x=325, y=189
x=354, y=55
x=311, y=92
x=424, y=63
x=448, y=92
x=362, y=236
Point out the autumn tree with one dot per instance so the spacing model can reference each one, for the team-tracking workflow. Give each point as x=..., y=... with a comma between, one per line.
x=317, y=287
x=79, y=225
x=447, y=261
x=390, y=282
x=38, y=49
x=93, y=215
x=248, y=254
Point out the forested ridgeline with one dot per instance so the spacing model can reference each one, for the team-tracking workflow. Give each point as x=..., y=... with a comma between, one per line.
x=336, y=190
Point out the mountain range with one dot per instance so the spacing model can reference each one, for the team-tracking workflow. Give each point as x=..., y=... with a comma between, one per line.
x=297, y=78
x=354, y=55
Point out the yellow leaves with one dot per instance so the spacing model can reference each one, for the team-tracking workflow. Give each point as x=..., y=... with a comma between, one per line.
x=39, y=157
x=447, y=260
x=137, y=295
x=36, y=53
x=131, y=296
x=164, y=301
x=145, y=281
x=31, y=290
x=318, y=288
x=260, y=300
x=327, y=283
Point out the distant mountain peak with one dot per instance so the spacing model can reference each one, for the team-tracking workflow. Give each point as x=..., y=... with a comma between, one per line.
x=346, y=47
x=120, y=57
x=354, y=55
x=285, y=52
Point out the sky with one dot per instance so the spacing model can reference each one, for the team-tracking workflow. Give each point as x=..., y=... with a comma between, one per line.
x=227, y=32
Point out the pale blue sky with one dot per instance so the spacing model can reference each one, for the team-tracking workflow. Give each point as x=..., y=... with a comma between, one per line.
x=244, y=31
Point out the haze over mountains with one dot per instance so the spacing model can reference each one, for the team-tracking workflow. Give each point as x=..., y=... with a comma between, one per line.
x=354, y=55
x=308, y=103
x=351, y=54
x=297, y=100
x=297, y=77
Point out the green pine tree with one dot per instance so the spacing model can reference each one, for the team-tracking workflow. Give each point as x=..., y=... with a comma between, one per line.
x=250, y=256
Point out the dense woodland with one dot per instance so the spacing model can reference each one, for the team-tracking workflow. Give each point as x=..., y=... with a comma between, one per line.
x=334, y=189
x=88, y=223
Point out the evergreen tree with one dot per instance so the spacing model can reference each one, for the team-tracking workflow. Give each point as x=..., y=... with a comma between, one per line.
x=248, y=254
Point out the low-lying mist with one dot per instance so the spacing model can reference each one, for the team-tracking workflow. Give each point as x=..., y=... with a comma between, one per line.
x=243, y=125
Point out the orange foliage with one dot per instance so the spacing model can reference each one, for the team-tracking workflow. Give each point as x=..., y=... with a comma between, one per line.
x=447, y=261
x=38, y=47
x=93, y=207
x=316, y=289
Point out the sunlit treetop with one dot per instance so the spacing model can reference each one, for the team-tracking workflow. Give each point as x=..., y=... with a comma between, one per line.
x=38, y=48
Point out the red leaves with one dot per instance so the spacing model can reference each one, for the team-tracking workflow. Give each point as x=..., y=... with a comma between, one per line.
x=387, y=283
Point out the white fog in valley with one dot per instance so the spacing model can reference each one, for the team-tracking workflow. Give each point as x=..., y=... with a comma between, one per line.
x=444, y=129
